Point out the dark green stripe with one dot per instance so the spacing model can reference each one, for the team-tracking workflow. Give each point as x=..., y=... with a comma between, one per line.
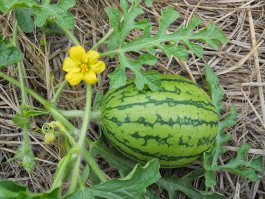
x=123, y=97
x=179, y=81
x=158, y=139
x=185, y=121
x=205, y=140
x=150, y=155
x=169, y=101
x=110, y=93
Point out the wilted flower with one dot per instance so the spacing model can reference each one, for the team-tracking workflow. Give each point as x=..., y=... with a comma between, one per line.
x=49, y=138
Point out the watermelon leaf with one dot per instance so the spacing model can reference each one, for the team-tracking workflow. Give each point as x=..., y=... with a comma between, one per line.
x=97, y=100
x=11, y=190
x=43, y=12
x=131, y=186
x=9, y=54
x=148, y=3
x=23, y=17
x=118, y=161
x=113, y=157
x=171, y=185
x=217, y=93
x=184, y=185
x=176, y=43
x=239, y=165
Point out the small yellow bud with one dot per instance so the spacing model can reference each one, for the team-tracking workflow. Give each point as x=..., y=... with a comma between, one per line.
x=49, y=138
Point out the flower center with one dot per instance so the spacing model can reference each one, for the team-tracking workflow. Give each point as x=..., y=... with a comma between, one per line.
x=84, y=68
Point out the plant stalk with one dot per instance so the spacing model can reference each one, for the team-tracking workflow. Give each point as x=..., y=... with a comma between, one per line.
x=110, y=53
x=58, y=92
x=70, y=35
x=47, y=105
x=102, y=177
x=100, y=42
x=94, y=115
x=81, y=139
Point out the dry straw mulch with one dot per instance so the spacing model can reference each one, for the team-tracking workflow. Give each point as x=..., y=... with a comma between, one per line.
x=240, y=66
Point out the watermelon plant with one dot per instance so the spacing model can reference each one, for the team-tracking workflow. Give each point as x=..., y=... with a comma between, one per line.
x=156, y=120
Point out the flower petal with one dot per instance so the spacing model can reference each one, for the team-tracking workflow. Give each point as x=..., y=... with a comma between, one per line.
x=98, y=67
x=92, y=56
x=74, y=78
x=69, y=64
x=76, y=53
x=90, y=78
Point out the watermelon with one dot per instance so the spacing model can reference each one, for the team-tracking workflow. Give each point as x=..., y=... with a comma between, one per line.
x=175, y=124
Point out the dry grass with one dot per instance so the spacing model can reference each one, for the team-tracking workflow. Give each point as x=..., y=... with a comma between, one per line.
x=240, y=66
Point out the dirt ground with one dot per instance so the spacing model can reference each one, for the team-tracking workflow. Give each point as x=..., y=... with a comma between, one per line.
x=240, y=66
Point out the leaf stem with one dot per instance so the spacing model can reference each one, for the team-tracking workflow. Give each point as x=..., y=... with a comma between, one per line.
x=58, y=92
x=110, y=53
x=70, y=35
x=100, y=42
x=94, y=115
x=26, y=151
x=102, y=177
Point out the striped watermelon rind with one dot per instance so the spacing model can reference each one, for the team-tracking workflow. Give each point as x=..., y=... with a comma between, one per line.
x=175, y=124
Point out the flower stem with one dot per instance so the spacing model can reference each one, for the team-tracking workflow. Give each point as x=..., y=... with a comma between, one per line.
x=86, y=116
x=82, y=138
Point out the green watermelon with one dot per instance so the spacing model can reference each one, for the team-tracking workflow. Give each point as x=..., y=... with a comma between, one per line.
x=175, y=124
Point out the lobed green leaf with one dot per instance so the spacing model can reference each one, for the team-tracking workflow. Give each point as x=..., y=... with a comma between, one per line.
x=9, y=54
x=238, y=165
x=131, y=186
x=217, y=93
x=43, y=12
x=184, y=185
x=11, y=190
x=176, y=43
x=23, y=17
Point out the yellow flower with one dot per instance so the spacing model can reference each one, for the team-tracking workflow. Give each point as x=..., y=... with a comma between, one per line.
x=82, y=65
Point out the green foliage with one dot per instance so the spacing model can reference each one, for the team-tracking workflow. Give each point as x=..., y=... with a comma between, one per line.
x=9, y=54
x=25, y=156
x=23, y=17
x=239, y=165
x=184, y=184
x=216, y=91
x=7, y=5
x=131, y=186
x=22, y=120
x=63, y=171
x=97, y=100
x=43, y=12
x=176, y=43
x=171, y=185
x=113, y=157
x=12, y=190
x=148, y=3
